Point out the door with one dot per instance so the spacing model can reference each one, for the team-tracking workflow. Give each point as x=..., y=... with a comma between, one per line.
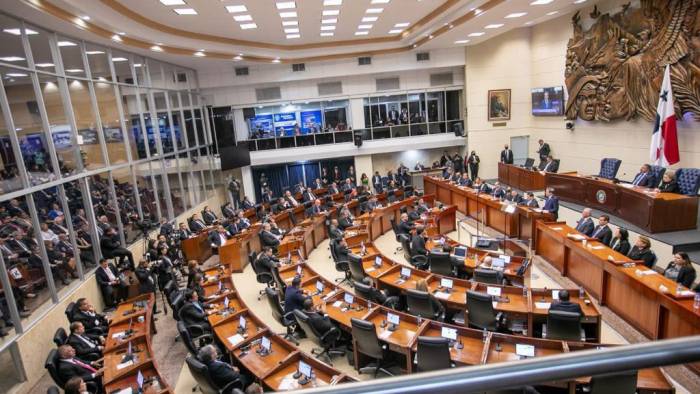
x=519, y=145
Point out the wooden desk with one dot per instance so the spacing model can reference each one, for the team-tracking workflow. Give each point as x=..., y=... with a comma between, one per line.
x=502, y=348
x=520, y=178
x=654, y=212
x=234, y=253
x=259, y=365
x=197, y=247
x=471, y=340
x=113, y=360
x=282, y=377
x=227, y=329
x=151, y=376
x=399, y=341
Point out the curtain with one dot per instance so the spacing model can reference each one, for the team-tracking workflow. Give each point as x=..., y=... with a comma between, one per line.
x=296, y=174
x=312, y=172
x=276, y=179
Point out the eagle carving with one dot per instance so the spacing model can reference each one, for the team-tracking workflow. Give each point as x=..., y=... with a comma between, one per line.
x=615, y=68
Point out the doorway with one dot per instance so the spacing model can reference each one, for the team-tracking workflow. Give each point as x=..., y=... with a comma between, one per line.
x=519, y=145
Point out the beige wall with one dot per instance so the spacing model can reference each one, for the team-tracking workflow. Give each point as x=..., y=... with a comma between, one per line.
x=534, y=57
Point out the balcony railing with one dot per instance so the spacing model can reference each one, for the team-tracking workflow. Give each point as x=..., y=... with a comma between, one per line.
x=346, y=136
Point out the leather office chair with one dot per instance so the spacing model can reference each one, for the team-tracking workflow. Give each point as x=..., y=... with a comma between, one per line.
x=327, y=341
x=193, y=344
x=405, y=246
x=70, y=310
x=280, y=283
x=206, y=385
x=363, y=291
x=60, y=337
x=688, y=180
x=609, y=168
x=170, y=286
x=419, y=261
x=261, y=276
x=364, y=336
x=481, y=313
x=196, y=330
x=420, y=304
x=51, y=365
x=488, y=276
x=614, y=383
x=440, y=263
x=357, y=271
x=340, y=266
x=433, y=354
x=286, y=320
x=395, y=227
x=176, y=301
x=53, y=390
x=658, y=173
x=564, y=326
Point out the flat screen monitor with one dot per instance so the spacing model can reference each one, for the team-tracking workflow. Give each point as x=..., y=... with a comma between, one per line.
x=548, y=101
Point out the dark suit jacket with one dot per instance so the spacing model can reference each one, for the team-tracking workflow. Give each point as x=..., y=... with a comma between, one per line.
x=465, y=182
x=645, y=255
x=686, y=276
x=344, y=223
x=603, y=235
x=221, y=373
x=418, y=246
x=342, y=252
x=544, y=151
x=191, y=315
x=319, y=322
x=247, y=204
x=646, y=180
x=68, y=370
x=517, y=199
x=566, y=306
x=669, y=187
x=293, y=299
x=622, y=246
x=336, y=233
x=228, y=212
x=552, y=205
x=146, y=283
x=507, y=156
x=82, y=349
x=215, y=238
x=405, y=228
x=196, y=225
x=585, y=226
x=551, y=167
x=530, y=203
x=109, y=245
x=269, y=239
x=90, y=322
x=102, y=278
x=266, y=264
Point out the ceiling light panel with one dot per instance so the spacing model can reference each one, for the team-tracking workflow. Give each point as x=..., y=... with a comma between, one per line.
x=395, y=31
x=516, y=15
x=331, y=12
x=247, y=26
x=329, y=21
x=242, y=18
x=375, y=10
x=477, y=34
x=236, y=8
x=291, y=30
x=286, y=5
x=328, y=27
x=288, y=14
x=11, y=59
x=363, y=27
x=66, y=44
x=332, y=2
x=185, y=11
x=370, y=19
x=361, y=33
x=403, y=24
x=327, y=34
x=173, y=2
x=380, y=1
x=493, y=26
x=290, y=23
x=541, y=2
x=292, y=36
x=461, y=41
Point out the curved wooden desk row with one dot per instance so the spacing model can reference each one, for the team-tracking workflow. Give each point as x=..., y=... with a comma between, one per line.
x=274, y=370
x=644, y=298
x=135, y=314
x=519, y=224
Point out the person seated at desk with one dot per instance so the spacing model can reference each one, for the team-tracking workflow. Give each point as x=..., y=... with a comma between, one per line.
x=317, y=208
x=602, y=232
x=220, y=373
x=218, y=237
x=530, y=201
x=198, y=286
x=318, y=184
x=481, y=186
x=308, y=195
x=333, y=189
x=551, y=202
x=404, y=226
x=498, y=191
x=112, y=248
x=341, y=249
x=96, y=324
x=620, y=241
x=564, y=304
x=413, y=215
x=233, y=227
x=550, y=165
x=668, y=183
x=585, y=225
x=372, y=204
x=644, y=178
x=70, y=367
x=322, y=324
x=422, y=207
x=244, y=223
x=681, y=270
x=183, y=232
x=352, y=195
x=345, y=221
x=447, y=174
x=642, y=251
x=293, y=296
x=266, y=261
x=422, y=285
x=209, y=216
x=514, y=197
x=418, y=242
x=268, y=238
x=268, y=197
x=281, y=206
x=464, y=180
x=419, y=167
x=275, y=228
x=380, y=297
x=76, y=385
x=227, y=210
x=193, y=313
x=334, y=231
x=246, y=203
x=85, y=348
x=196, y=224
x=290, y=199
x=192, y=271
x=348, y=185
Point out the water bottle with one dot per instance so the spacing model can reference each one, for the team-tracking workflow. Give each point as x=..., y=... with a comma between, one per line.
x=696, y=301
x=484, y=335
x=679, y=288
x=525, y=291
x=581, y=293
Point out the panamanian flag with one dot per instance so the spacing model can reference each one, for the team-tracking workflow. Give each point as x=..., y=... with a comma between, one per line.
x=664, y=139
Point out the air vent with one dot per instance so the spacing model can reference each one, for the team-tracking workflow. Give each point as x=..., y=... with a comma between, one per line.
x=181, y=77
x=330, y=88
x=265, y=94
x=422, y=56
x=364, y=61
x=298, y=67
x=441, y=79
x=241, y=71
x=387, y=84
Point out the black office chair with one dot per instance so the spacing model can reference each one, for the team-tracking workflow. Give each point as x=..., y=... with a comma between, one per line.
x=565, y=326
x=196, y=330
x=357, y=271
x=419, y=261
x=206, y=385
x=176, y=300
x=327, y=341
x=613, y=383
x=169, y=287
x=261, y=276
x=279, y=282
x=364, y=335
x=53, y=390
x=193, y=344
x=395, y=227
x=433, y=354
x=405, y=246
x=287, y=320
x=481, y=313
x=420, y=304
x=363, y=291
x=70, y=311
x=488, y=276
x=60, y=337
x=51, y=365
x=342, y=266
x=440, y=263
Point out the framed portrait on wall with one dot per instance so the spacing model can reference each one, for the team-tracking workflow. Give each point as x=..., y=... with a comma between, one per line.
x=499, y=105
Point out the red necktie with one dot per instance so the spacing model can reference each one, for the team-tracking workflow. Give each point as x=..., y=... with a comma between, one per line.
x=82, y=364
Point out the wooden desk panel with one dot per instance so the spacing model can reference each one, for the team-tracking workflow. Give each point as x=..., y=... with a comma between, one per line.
x=112, y=359
x=197, y=248
x=473, y=346
x=259, y=365
x=150, y=374
x=520, y=178
x=282, y=379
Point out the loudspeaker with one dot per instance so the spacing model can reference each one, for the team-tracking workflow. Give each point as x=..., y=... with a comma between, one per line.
x=358, y=140
x=457, y=129
x=248, y=113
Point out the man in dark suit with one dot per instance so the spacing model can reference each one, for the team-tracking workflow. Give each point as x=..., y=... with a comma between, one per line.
x=422, y=207
x=644, y=178
x=209, y=216
x=19, y=246
x=404, y=226
x=309, y=195
x=247, y=204
x=335, y=232
x=464, y=180
x=498, y=191
x=268, y=197
x=550, y=165
x=227, y=210
x=317, y=208
x=267, y=261
x=333, y=189
x=112, y=249
x=342, y=250
x=193, y=312
x=564, y=304
x=602, y=232
x=377, y=182
x=218, y=237
x=268, y=238
x=530, y=201
x=418, y=243
x=95, y=324
x=585, y=225
x=233, y=227
x=551, y=202
x=473, y=161
x=506, y=155
x=220, y=373
x=543, y=150
x=69, y=367
x=481, y=186
x=514, y=197
x=293, y=296
x=290, y=199
x=184, y=232
x=322, y=324
x=85, y=347
x=345, y=221
x=196, y=224
x=372, y=204
x=243, y=222
x=107, y=278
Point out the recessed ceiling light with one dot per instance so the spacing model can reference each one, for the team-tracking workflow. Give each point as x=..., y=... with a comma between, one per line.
x=374, y=10
x=120, y=59
x=395, y=31
x=331, y=12
x=288, y=14
x=291, y=30
x=332, y=2
x=541, y=2
x=43, y=65
x=364, y=26
x=276, y=60
x=461, y=41
x=246, y=26
x=402, y=24
x=370, y=19
x=493, y=26
x=93, y=52
x=361, y=33
x=528, y=23
x=121, y=33
x=137, y=64
x=17, y=75
x=476, y=34
x=329, y=21
x=380, y=1
x=327, y=34
x=516, y=15
x=11, y=59
x=156, y=48
x=17, y=32
x=236, y=8
x=117, y=37
x=185, y=11
x=66, y=44
x=238, y=58
x=74, y=70
x=200, y=54
x=552, y=12
x=290, y=36
x=172, y=2
x=328, y=27
x=286, y=5
x=242, y=18
x=290, y=23
x=579, y=1
x=85, y=17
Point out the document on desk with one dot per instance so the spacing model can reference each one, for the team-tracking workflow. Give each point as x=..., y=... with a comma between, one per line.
x=626, y=185
x=127, y=390
x=235, y=339
x=524, y=350
x=385, y=334
x=542, y=305
x=370, y=269
x=125, y=364
x=442, y=295
x=598, y=247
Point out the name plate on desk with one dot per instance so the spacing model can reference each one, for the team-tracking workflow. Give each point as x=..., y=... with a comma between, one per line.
x=235, y=339
x=493, y=291
x=524, y=350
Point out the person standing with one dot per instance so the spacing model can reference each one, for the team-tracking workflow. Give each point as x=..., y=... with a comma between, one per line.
x=473, y=162
x=506, y=155
x=544, y=151
x=234, y=187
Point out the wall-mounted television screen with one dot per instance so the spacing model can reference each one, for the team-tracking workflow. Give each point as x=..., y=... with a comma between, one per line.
x=548, y=101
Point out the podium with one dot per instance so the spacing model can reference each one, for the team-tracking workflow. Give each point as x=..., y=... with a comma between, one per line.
x=197, y=248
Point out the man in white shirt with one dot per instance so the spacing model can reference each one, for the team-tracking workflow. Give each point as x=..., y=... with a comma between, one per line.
x=85, y=347
x=47, y=234
x=290, y=199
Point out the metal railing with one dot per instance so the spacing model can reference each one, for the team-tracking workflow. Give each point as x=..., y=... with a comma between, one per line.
x=521, y=373
x=346, y=136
